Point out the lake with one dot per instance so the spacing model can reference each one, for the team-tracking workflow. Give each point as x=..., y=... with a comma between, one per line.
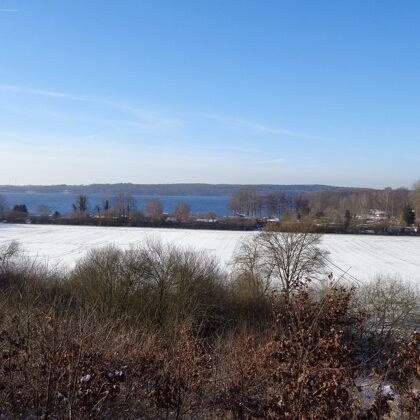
x=62, y=202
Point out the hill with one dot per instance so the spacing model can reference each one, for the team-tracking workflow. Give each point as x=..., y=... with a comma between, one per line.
x=166, y=189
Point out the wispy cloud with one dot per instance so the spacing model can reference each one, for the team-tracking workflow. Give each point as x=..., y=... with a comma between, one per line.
x=128, y=124
x=274, y=130
x=40, y=92
x=128, y=109
x=9, y=10
x=271, y=161
x=263, y=128
x=245, y=150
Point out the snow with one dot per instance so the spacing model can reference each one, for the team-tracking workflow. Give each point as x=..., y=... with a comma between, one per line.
x=360, y=256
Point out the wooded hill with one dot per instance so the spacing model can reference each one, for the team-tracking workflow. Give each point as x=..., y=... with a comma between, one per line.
x=168, y=189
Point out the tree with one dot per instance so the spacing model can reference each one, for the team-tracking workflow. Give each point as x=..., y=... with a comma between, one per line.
x=416, y=197
x=408, y=215
x=302, y=206
x=284, y=259
x=43, y=210
x=20, y=208
x=182, y=211
x=246, y=201
x=80, y=205
x=212, y=215
x=107, y=207
x=137, y=216
x=401, y=199
x=124, y=204
x=347, y=219
x=3, y=205
x=153, y=209
x=56, y=215
x=275, y=204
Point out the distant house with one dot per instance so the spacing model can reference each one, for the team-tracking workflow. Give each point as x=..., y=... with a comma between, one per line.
x=373, y=216
x=379, y=214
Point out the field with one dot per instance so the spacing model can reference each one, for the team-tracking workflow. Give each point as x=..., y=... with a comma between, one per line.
x=359, y=257
x=162, y=334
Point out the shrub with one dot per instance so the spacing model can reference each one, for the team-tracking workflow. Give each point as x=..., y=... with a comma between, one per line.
x=156, y=332
x=393, y=308
x=154, y=284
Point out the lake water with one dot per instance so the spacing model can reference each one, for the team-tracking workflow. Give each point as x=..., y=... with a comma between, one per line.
x=62, y=202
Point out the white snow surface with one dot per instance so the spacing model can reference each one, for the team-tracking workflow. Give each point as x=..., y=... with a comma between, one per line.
x=360, y=257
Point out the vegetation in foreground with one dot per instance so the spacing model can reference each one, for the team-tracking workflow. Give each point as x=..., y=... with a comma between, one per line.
x=161, y=332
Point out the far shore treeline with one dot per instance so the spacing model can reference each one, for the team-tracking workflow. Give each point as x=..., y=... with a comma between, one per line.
x=307, y=207
x=163, y=189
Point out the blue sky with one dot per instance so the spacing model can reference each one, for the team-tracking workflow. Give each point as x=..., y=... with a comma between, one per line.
x=210, y=91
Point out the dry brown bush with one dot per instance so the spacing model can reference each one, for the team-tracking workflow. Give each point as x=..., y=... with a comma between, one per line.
x=126, y=335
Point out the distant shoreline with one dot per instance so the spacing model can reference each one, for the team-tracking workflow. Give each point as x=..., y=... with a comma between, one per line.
x=181, y=189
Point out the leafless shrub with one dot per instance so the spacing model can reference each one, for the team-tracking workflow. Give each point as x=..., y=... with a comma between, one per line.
x=159, y=284
x=393, y=308
x=8, y=256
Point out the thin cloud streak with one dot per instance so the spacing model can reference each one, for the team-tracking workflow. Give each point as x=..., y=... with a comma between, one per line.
x=133, y=125
x=244, y=150
x=137, y=112
x=9, y=10
x=41, y=92
x=271, y=161
x=274, y=130
x=263, y=128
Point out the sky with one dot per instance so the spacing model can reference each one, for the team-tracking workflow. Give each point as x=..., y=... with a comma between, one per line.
x=216, y=91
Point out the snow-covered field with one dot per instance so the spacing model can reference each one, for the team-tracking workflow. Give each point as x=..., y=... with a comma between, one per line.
x=360, y=256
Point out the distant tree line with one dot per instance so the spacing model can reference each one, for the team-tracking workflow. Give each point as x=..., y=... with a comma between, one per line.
x=164, y=189
x=249, y=202
x=123, y=206
x=121, y=210
x=399, y=204
x=340, y=206
x=344, y=208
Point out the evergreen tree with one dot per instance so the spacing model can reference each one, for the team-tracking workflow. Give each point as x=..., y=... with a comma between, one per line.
x=80, y=206
x=408, y=215
x=20, y=208
x=347, y=219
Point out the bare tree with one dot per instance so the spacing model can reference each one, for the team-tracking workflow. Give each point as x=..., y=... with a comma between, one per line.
x=153, y=209
x=275, y=204
x=124, y=204
x=80, y=206
x=416, y=198
x=182, y=211
x=3, y=205
x=44, y=210
x=250, y=272
x=246, y=201
x=401, y=200
x=212, y=215
x=281, y=258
